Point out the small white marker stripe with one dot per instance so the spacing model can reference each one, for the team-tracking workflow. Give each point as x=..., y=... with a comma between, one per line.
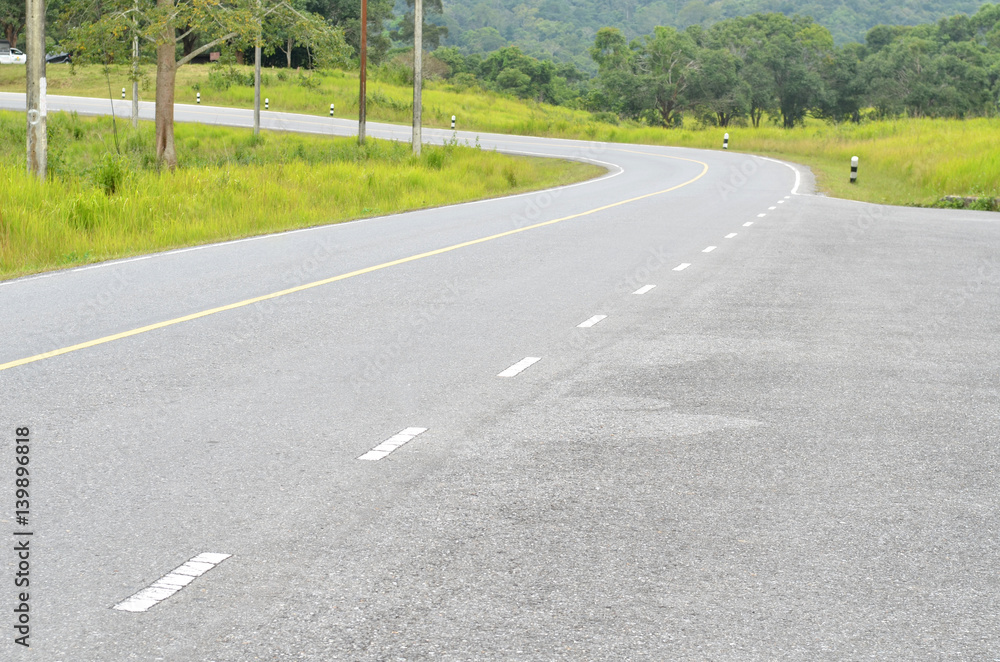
x=171, y=583
x=709, y=249
x=730, y=235
x=194, y=569
x=644, y=289
x=761, y=215
x=519, y=366
x=392, y=443
x=591, y=322
x=748, y=224
x=682, y=266
x=781, y=202
x=771, y=208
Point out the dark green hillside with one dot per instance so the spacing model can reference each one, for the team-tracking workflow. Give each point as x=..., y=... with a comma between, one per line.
x=565, y=29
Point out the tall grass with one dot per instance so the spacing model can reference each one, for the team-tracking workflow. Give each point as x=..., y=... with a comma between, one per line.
x=100, y=205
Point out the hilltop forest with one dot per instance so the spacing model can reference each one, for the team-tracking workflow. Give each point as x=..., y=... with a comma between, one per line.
x=764, y=65
x=564, y=29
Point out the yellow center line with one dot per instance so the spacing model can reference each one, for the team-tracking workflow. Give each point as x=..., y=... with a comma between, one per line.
x=352, y=274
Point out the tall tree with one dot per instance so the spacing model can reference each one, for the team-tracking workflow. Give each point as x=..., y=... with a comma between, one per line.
x=12, y=19
x=167, y=23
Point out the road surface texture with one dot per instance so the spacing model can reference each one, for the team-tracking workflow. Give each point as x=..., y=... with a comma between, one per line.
x=784, y=450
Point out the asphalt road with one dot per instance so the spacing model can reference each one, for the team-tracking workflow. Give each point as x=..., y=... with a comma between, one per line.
x=786, y=450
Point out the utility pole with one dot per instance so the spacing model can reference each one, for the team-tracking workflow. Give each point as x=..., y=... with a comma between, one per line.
x=35, y=71
x=418, y=70
x=135, y=67
x=362, y=93
x=256, y=72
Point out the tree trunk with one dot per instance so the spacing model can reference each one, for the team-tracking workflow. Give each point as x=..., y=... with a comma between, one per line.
x=166, y=72
x=288, y=53
x=11, y=36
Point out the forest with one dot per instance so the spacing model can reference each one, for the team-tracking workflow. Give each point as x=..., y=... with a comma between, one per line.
x=764, y=65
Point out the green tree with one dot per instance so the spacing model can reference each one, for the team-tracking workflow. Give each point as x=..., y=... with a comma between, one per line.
x=166, y=23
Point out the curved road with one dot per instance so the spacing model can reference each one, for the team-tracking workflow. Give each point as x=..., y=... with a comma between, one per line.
x=685, y=411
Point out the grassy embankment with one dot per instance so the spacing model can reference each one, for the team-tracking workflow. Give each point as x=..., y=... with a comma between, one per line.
x=99, y=206
x=906, y=162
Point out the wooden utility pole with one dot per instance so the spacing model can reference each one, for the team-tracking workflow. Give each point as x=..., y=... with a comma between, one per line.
x=362, y=93
x=35, y=71
x=418, y=70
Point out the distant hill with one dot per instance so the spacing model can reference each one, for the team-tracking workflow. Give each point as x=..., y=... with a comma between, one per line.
x=564, y=29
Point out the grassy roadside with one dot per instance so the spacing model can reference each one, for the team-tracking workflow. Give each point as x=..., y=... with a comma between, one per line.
x=99, y=205
x=903, y=162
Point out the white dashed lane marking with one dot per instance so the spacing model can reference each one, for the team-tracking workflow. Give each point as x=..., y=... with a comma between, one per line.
x=392, y=443
x=730, y=235
x=644, y=289
x=709, y=249
x=749, y=223
x=591, y=322
x=682, y=266
x=519, y=366
x=171, y=582
x=761, y=215
x=770, y=209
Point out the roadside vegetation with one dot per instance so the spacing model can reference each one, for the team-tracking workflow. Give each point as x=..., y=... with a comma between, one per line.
x=104, y=202
x=904, y=161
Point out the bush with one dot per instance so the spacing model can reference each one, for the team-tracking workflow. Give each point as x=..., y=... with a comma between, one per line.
x=109, y=175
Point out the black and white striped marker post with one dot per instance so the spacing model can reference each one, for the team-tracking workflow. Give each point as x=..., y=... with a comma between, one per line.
x=854, y=170
x=266, y=102
x=452, y=122
x=331, y=110
x=725, y=141
x=123, y=93
x=198, y=100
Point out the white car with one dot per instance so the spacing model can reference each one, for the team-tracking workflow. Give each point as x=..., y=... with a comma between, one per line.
x=15, y=57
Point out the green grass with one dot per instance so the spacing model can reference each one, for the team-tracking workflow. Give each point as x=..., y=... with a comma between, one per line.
x=98, y=205
x=903, y=162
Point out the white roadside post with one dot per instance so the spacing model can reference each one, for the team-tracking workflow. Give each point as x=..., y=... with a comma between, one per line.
x=854, y=170
x=198, y=99
x=452, y=122
x=331, y=110
x=725, y=141
x=123, y=93
x=267, y=102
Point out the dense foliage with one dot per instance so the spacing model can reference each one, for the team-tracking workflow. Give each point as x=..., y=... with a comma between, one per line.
x=764, y=65
x=564, y=29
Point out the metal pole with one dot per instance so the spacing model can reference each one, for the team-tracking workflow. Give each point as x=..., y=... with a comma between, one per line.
x=362, y=92
x=35, y=73
x=418, y=70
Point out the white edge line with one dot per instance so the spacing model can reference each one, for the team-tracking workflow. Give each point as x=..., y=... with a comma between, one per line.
x=798, y=175
x=519, y=366
x=178, y=251
x=171, y=583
